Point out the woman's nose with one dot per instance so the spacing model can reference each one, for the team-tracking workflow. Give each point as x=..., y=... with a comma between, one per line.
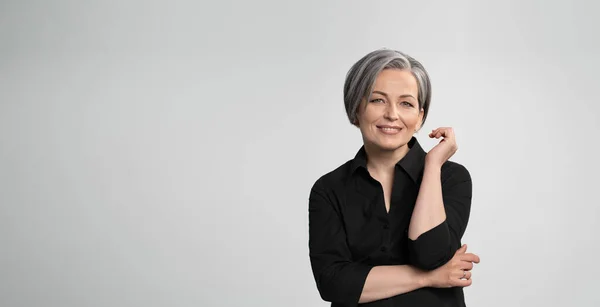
x=391, y=113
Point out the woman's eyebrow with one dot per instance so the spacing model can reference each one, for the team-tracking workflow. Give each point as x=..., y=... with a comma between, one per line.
x=401, y=96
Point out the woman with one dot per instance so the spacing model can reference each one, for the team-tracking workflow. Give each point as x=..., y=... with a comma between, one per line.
x=385, y=228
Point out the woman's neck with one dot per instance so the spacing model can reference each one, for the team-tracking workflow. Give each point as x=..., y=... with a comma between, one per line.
x=384, y=161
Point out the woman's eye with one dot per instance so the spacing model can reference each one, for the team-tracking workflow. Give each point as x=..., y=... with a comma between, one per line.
x=377, y=100
x=406, y=103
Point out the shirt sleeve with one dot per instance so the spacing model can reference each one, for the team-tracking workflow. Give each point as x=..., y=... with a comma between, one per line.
x=437, y=246
x=338, y=278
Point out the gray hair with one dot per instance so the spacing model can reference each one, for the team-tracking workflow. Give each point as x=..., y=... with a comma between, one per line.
x=361, y=77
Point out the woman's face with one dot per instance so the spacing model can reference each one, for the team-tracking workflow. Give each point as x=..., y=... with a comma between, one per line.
x=390, y=118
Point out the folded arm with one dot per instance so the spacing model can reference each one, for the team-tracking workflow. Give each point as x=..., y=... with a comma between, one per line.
x=440, y=216
x=338, y=278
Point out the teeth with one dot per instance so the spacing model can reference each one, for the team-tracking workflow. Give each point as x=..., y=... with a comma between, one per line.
x=390, y=129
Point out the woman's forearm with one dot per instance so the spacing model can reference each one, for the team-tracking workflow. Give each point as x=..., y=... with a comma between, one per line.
x=429, y=207
x=390, y=280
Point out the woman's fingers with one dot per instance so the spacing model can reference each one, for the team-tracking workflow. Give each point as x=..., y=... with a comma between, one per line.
x=470, y=257
x=446, y=132
x=468, y=275
x=466, y=265
x=462, y=249
x=436, y=133
x=463, y=282
x=460, y=272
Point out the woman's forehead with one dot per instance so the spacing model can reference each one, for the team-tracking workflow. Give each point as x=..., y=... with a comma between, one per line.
x=395, y=81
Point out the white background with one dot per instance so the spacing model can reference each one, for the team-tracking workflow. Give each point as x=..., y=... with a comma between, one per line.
x=160, y=153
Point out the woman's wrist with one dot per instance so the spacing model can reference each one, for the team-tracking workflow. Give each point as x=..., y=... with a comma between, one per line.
x=426, y=279
x=422, y=277
x=433, y=166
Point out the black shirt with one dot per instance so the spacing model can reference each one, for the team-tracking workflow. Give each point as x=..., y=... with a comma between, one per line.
x=350, y=230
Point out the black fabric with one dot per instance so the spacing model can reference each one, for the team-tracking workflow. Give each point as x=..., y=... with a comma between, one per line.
x=350, y=230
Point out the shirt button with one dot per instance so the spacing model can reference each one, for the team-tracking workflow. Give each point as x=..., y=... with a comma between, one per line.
x=386, y=226
x=384, y=249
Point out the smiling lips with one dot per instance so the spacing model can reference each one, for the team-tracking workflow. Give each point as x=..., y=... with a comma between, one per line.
x=389, y=129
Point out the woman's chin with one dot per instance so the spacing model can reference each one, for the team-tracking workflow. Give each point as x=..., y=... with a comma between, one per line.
x=388, y=146
x=386, y=143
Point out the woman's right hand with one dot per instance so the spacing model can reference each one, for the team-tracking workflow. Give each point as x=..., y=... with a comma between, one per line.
x=455, y=273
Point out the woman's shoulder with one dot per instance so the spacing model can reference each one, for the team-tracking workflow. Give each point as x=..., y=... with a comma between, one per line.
x=333, y=179
x=452, y=170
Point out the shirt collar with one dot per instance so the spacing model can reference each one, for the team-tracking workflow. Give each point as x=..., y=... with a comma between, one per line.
x=412, y=163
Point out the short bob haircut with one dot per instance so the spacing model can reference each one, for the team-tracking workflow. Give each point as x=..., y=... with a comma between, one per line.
x=361, y=77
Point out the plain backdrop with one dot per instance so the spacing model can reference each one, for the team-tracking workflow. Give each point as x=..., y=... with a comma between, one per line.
x=160, y=153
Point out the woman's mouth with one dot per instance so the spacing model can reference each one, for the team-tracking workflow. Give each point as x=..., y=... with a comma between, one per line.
x=389, y=129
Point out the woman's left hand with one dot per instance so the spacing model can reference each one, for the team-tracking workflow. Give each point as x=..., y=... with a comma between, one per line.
x=439, y=154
